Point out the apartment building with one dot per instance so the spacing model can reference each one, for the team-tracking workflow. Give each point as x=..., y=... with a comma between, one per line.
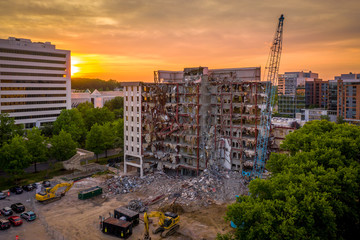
x=194, y=118
x=35, y=81
x=316, y=93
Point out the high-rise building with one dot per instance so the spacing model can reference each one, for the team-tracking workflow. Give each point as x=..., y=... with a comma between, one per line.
x=316, y=93
x=348, y=101
x=188, y=120
x=35, y=83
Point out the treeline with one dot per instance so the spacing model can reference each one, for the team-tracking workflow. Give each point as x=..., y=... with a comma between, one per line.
x=92, y=84
x=313, y=191
x=96, y=129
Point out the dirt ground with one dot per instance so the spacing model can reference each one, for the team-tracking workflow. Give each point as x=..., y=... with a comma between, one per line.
x=74, y=219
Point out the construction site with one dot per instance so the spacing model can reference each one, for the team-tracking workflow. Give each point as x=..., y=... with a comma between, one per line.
x=193, y=139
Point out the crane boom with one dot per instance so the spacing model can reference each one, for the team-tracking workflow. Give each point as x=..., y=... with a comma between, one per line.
x=272, y=69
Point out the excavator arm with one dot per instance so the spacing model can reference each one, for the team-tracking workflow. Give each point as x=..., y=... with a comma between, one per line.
x=51, y=194
x=168, y=224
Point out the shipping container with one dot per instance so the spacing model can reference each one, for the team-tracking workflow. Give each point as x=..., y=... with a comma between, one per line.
x=90, y=192
x=130, y=215
x=117, y=227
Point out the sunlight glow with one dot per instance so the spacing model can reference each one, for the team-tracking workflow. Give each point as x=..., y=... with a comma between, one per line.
x=75, y=65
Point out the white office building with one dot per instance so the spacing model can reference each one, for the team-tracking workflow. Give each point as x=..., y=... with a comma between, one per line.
x=35, y=81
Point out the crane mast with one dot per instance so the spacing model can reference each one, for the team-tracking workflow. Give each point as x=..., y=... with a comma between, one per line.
x=272, y=69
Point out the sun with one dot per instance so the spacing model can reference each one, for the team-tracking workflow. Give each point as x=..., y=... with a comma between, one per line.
x=75, y=65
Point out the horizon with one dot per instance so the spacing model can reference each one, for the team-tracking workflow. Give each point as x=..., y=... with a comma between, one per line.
x=127, y=41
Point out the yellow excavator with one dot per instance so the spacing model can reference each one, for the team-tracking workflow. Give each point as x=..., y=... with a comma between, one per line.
x=168, y=224
x=52, y=194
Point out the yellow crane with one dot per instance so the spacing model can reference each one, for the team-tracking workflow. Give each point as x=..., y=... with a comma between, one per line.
x=52, y=194
x=168, y=224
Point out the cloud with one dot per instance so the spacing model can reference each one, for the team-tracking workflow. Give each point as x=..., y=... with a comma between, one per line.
x=185, y=32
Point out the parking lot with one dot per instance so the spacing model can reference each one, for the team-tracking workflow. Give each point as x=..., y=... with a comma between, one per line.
x=28, y=230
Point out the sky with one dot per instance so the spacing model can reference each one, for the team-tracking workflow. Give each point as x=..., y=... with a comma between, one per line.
x=127, y=40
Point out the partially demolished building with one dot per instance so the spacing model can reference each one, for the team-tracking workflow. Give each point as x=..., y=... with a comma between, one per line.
x=188, y=120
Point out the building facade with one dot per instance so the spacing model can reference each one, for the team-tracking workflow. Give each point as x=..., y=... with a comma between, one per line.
x=348, y=100
x=97, y=98
x=194, y=118
x=316, y=93
x=35, y=81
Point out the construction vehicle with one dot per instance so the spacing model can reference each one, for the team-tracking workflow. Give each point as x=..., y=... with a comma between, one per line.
x=272, y=68
x=52, y=194
x=168, y=224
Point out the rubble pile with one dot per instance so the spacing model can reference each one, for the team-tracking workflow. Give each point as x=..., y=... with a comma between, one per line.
x=212, y=185
x=137, y=206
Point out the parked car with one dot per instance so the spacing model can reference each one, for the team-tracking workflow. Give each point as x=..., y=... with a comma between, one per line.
x=18, y=207
x=28, y=216
x=4, y=224
x=15, y=220
x=2, y=195
x=46, y=184
x=36, y=185
x=16, y=189
x=6, y=211
x=28, y=188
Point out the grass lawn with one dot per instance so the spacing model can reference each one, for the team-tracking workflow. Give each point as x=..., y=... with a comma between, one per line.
x=27, y=178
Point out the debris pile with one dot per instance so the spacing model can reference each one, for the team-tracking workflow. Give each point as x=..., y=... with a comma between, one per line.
x=137, y=206
x=212, y=185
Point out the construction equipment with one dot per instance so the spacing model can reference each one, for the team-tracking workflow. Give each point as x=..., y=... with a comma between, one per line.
x=272, y=68
x=168, y=224
x=52, y=194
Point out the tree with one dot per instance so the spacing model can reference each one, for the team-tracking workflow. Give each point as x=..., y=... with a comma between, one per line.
x=99, y=116
x=116, y=103
x=63, y=146
x=340, y=120
x=14, y=156
x=313, y=191
x=95, y=141
x=8, y=128
x=71, y=121
x=325, y=117
x=84, y=107
x=108, y=136
x=37, y=146
x=118, y=127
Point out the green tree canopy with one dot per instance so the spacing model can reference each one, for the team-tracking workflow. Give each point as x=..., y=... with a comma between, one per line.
x=313, y=192
x=99, y=116
x=63, y=147
x=95, y=140
x=84, y=107
x=8, y=129
x=108, y=136
x=14, y=156
x=37, y=146
x=116, y=103
x=71, y=121
x=118, y=128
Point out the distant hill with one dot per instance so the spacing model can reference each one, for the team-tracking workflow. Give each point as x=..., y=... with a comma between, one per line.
x=92, y=84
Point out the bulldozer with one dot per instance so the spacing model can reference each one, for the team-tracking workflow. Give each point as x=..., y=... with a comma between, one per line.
x=168, y=224
x=52, y=194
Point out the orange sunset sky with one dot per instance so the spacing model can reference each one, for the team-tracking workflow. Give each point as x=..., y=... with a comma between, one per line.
x=127, y=40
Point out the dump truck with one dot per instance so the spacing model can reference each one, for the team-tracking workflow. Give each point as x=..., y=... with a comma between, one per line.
x=54, y=193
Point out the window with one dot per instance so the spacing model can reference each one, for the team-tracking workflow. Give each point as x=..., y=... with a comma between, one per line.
x=126, y=108
x=138, y=130
x=137, y=98
x=126, y=88
x=126, y=98
x=132, y=109
x=126, y=138
x=132, y=119
x=132, y=88
x=126, y=128
x=126, y=118
x=132, y=129
x=138, y=140
x=137, y=109
x=138, y=150
x=132, y=149
x=132, y=98
x=132, y=139
x=127, y=148
x=137, y=88
x=137, y=119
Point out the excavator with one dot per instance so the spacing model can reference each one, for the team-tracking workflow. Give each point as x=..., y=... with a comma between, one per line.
x=168, y=224
x=52, y=194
